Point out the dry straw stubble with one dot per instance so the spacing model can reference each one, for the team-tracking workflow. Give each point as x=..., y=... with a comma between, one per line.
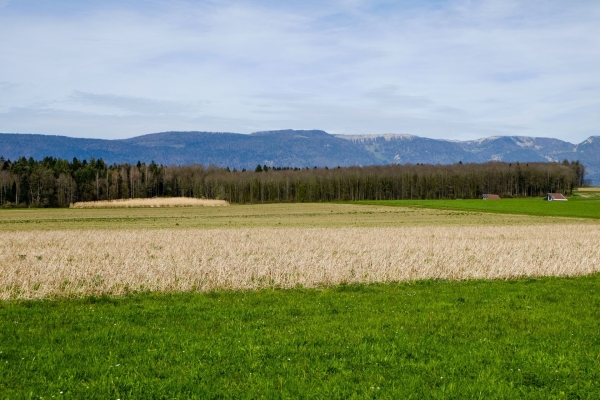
x=153, y=202
x=95, y=262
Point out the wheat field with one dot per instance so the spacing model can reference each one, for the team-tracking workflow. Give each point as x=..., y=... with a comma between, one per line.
x=153, y=202
x=46, y=264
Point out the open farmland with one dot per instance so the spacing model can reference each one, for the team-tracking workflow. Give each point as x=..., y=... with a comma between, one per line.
x=255, y=247
x=97, y=262
x=290, y=215
x=379, y=302
x=583, y=204
x=592, y=192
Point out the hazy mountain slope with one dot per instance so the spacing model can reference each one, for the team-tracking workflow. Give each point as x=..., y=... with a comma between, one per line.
x=279, y=148
x=297, y=148
x=403, y=149
x=13, y=146
x=515, y=148
x=588, y=153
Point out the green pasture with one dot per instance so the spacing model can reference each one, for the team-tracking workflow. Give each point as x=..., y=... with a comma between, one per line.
x=575, y=207
x=531, y=338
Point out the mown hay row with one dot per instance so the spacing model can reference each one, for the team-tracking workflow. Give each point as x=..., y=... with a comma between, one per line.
x=94, y=262
x=153, y=202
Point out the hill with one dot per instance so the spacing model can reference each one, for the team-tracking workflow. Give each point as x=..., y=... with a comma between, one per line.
x=302, y=148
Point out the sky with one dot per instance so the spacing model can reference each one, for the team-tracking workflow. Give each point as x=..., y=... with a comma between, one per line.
x=455, y=69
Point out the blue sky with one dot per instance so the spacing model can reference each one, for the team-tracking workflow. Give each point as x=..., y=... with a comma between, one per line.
x=441, y=69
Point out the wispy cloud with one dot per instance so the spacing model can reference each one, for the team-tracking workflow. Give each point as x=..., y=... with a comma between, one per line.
x=450, y=69
x=135, y=105
x=392, y=95
x=5, y=86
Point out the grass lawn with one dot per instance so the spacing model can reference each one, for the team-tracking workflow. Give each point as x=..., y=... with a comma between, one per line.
x=576, y=207
x=434, y=339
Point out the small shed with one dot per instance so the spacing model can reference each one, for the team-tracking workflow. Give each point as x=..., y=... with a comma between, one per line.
x=556, y=197
x=491, y=197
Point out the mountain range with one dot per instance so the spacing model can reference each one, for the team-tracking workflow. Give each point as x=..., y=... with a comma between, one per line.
x=302, y=148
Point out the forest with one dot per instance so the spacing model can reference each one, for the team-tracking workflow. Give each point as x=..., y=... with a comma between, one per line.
x=55, y=182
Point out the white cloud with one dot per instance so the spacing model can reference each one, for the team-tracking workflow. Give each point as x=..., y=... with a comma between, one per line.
x=455, y=69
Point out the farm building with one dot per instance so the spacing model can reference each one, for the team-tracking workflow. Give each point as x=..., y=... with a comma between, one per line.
x=491, y=197
x=556, y=197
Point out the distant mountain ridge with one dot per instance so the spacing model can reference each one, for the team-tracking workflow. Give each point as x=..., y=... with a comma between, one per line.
x=302, y=148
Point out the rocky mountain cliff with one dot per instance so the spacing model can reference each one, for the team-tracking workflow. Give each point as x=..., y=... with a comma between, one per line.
x=302, y=148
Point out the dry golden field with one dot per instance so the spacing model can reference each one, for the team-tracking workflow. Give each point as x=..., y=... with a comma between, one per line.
x=154, y=202
x=588, y=192
x=39, y=264
x=79, y=252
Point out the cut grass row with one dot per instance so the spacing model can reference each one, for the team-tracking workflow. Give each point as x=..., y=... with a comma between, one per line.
x=575, y=207
x=428, y=339
x=152, y=203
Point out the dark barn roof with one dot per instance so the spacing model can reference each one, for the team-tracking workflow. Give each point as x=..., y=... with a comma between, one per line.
x=556, y=196
x=491, y=197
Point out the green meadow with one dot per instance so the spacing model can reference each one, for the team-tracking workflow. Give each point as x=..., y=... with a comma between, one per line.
x=536, y=339
x=575, y=207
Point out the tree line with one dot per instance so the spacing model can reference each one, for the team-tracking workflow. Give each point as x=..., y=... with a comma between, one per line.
x=55, y=182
